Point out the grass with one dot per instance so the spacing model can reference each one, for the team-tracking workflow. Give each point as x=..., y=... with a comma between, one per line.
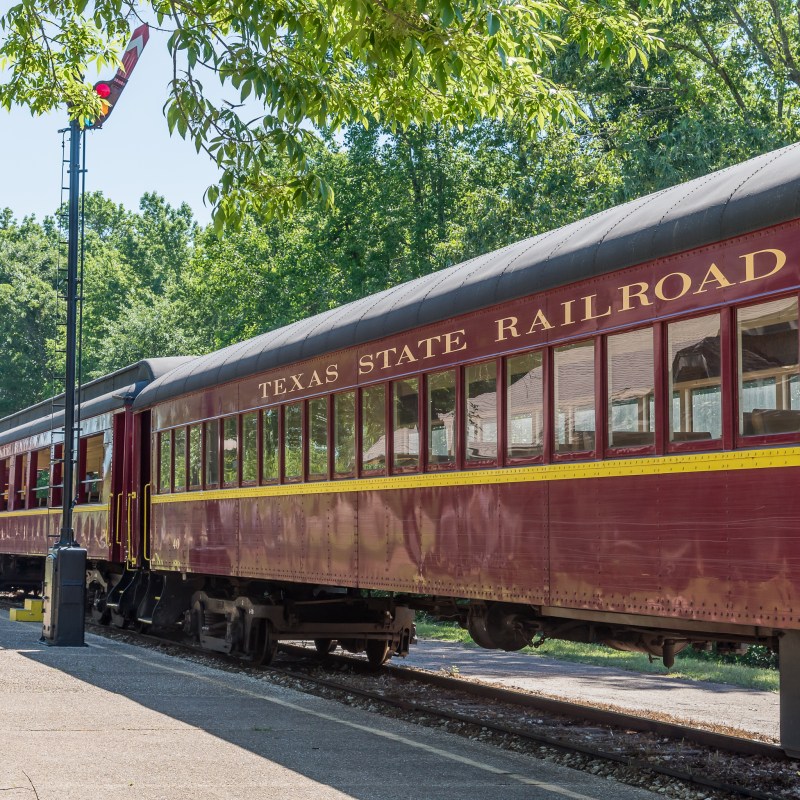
x=687, y=664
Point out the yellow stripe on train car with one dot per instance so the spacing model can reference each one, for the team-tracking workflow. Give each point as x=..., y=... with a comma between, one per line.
x=771, y=458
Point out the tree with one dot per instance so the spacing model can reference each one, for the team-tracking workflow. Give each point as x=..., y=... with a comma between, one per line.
x=292, y=68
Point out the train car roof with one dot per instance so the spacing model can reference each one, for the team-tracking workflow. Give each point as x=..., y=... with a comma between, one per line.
x=758, y=193
x=108, y=393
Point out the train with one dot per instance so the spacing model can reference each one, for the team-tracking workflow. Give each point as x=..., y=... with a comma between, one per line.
x=592, y=434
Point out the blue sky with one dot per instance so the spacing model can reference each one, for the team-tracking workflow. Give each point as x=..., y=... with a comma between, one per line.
x=133, y=154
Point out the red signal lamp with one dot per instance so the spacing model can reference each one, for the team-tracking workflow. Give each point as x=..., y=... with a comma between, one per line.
x=103, y=91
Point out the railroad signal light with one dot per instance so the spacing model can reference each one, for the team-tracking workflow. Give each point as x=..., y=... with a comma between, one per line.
x=109, y=91
x=103, y=91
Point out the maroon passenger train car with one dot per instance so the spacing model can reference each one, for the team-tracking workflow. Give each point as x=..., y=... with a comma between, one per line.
x=593, y=434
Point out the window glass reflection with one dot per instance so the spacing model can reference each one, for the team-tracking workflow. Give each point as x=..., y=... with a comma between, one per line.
x=524, y=406
x=318, y=439
x=179, y=459
x=573, y=392
x=250, y=447
x=695, y=386
x=271, y=446
x=195, y=455
x=293, y=442
x=405, y=420
x=230, y=451
x=344, y=435
x=768, y=368
x=441, y=419
x=631, y=369
x=481, y=412
x=212, y=452
x=373, y=429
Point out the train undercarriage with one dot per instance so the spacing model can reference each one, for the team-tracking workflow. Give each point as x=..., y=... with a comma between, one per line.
x=248, y=618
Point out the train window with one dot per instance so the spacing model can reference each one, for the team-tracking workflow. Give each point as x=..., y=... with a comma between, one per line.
x=293, y=442
x=212, y=452
x=573, y=397
x=344, y=435
x=768, y=368
x=4, y=476
x=524, y=406
x=179, y=459
x=373, y=429
x=230, y=451
x=405, y=425
x=195, y=456
x=164, y=461
x=92, y=458
x=695, y=386
x=42, y=485
x=441, y=396
x=480, y=416
x=250, y=447
x=270, y=452
x=318, y=439
x=631, y=389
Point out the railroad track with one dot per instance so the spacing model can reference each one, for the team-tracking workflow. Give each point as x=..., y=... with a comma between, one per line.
x=674, y=760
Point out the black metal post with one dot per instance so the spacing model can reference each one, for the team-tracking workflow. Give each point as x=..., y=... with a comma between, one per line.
x=67, y=534
x=65, y=567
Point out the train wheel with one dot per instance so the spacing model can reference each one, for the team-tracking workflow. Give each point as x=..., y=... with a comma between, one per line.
x=325, y=646
x=377, y=653
x=269, y=645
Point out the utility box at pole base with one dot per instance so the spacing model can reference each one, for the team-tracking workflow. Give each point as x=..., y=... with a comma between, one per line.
x=64, y=603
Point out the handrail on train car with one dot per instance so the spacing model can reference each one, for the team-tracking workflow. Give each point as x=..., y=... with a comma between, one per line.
x=118, y=534
x=145, y=531
x=130, y=561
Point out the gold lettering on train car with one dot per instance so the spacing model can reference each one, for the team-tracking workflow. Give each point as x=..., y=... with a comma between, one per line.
x=385, y=354
x=750, y=264
x=428, y=345
x=568, y=313
x=713, y=276
x=506, y=324
x=453, y=343
x=365, y=365
x=540, y=320
x=685, y=280
x=628, y=295
x=298, y=384
x=588, y=309
x=406, y=355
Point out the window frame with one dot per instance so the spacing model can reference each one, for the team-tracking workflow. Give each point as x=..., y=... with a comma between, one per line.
x=317, y=477
x=744, y=441
x=623, y=451
x=387, y=449
x=355, y=472
x=465, y=462
x=301, y=478
x=726, y=405
x=598, y=389
x=393, y=469
x=458, y=452
x=547, y=428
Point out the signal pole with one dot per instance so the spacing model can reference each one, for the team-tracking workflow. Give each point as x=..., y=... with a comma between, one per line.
x=65, y=566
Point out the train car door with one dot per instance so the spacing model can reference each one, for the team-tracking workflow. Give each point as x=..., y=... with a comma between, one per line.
x=141, y=489
x=120, y=487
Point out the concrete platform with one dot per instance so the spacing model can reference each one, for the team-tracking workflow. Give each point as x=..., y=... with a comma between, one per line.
x=689, y=702
x=113, y=720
